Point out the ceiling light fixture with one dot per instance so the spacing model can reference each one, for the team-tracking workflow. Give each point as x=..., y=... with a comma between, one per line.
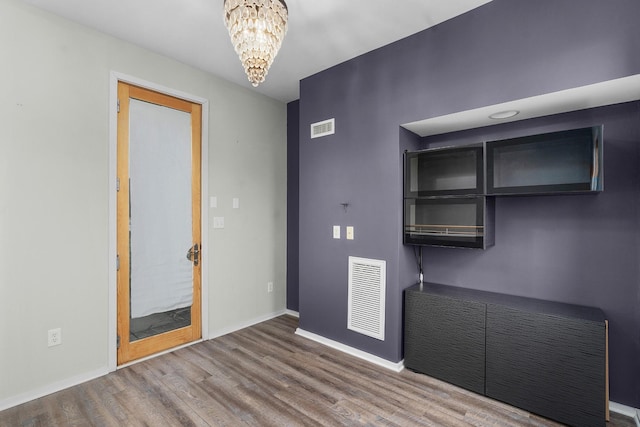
x=504, y=114
x=256, y=28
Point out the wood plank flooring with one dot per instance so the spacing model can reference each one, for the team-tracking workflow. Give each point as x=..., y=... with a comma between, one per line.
x=265, y=375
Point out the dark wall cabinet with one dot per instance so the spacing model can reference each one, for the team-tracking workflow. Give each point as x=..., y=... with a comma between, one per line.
x=559, y=162
x=444, y=203
x=449, y=192
x=545, y=357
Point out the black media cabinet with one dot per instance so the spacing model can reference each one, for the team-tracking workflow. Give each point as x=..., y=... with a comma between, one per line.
x=545, y=357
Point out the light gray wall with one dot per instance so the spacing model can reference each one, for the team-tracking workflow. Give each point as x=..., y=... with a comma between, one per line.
x=54, y=213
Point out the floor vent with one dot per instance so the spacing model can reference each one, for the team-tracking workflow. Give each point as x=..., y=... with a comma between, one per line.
x=367, y=283
x=324, y=128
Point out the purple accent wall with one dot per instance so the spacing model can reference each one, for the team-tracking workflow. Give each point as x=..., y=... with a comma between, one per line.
x=293, y=158
x=578, y=249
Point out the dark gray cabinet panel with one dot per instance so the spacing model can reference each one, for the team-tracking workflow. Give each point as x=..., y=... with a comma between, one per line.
x=545, y=357
x=445, y=341
x=547, y=364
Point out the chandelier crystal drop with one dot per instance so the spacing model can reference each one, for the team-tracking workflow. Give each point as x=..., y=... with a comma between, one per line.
x=256, y=28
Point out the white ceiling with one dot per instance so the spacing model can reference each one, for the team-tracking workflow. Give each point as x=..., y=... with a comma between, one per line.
x=322, y=33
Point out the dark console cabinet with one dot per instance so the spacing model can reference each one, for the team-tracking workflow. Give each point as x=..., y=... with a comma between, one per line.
x=457, y=326
x=545, y=357
x=549, y=364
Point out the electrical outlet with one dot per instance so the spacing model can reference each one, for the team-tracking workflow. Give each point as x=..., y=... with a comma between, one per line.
x=54, y=337
x=270, y=287
x=336, y=231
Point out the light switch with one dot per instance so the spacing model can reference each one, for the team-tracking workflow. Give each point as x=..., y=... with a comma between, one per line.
x=218, y=222
x=213, y=202
x=236, y=203
x=349, y=232
x=336, y=231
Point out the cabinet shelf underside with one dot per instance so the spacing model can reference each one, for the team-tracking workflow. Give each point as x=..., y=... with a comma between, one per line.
x=444, y=230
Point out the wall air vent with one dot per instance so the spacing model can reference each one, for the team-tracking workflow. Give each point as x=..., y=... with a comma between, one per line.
x=367, y=283
x=324, y=128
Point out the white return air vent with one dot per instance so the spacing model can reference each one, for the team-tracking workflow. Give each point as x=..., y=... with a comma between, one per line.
x=367, y=283
x=324, y=128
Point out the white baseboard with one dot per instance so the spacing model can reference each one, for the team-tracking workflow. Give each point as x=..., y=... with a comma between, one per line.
x=292, y=313
x=229, y=329
x=396, y=367
x=625, y=410
x=51, y=388
x=88, y=376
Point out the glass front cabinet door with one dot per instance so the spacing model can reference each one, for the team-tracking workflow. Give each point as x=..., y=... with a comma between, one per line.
x=444, y=202
x=444, y=172
x=559, y=162
x=460, y=221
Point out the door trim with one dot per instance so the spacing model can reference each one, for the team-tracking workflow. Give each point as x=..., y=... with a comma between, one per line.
x=114, y=78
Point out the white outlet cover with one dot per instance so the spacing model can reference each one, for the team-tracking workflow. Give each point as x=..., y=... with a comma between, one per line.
x=236, y=203
x=213, y=202
x=54, y=337
x=336, y=231
x=350, y=233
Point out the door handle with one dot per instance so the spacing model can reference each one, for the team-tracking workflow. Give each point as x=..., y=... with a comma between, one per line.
x=194, y=254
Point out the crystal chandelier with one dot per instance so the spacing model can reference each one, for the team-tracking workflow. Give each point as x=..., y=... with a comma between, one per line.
x=257, y=28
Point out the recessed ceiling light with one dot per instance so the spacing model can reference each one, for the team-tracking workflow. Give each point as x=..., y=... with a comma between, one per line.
x=504, y=114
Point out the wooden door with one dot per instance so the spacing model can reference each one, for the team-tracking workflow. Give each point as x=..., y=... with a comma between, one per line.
x=158, y=222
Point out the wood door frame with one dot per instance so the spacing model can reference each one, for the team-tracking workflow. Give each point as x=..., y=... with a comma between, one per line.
x=129, y=350
x=116, y=77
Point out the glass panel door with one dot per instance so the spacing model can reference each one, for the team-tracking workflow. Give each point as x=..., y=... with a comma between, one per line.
x=158, y=222
x=160, y=217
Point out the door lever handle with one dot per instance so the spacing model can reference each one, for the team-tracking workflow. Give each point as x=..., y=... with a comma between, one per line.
x=194, y=254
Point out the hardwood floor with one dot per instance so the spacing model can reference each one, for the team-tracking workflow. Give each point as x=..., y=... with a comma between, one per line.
x=267, y=376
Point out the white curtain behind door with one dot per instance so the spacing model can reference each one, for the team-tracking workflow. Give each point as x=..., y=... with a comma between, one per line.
x=160, y=200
